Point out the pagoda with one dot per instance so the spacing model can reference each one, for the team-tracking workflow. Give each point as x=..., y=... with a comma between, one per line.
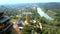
x=5, y=24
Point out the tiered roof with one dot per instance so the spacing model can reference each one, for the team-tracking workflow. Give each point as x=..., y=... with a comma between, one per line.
x=1, y=14
x=4, y=19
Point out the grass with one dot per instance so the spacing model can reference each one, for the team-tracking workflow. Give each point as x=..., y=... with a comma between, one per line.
x=14, y=20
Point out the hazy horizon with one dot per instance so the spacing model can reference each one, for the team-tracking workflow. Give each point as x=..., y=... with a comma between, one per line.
x=2, y=2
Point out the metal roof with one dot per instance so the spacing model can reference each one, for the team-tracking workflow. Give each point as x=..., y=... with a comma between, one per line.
x=6, y=28
x=1, y=12
x=4, y=19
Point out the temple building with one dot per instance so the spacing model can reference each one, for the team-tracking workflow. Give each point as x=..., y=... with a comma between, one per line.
x=5, y=24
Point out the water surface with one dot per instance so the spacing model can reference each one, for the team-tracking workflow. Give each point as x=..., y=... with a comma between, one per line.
x=42, y=14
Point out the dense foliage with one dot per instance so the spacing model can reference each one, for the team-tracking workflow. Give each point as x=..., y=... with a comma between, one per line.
x=49, y=26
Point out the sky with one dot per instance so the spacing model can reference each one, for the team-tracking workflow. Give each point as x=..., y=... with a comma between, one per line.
x=26, y=1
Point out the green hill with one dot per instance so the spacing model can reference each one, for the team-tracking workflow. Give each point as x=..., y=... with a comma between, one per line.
x=52, y=8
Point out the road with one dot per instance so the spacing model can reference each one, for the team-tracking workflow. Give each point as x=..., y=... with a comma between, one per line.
x=16, y=29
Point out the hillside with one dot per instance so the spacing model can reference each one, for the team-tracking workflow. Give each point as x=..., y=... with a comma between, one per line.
x=52, y=9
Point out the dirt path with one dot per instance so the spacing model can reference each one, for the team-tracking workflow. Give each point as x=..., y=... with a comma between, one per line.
x=15, y=28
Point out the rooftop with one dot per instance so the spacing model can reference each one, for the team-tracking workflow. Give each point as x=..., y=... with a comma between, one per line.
x=5, y=18
x=1, y=12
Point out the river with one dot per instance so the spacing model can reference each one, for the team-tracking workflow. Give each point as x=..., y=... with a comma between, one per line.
x=43, y=14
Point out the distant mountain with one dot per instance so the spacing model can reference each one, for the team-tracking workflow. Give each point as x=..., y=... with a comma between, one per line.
x=51, y=6
x=20, y=5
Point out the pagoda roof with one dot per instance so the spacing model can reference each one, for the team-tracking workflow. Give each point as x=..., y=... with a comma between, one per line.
x=6, y=28
x=1, y=12
x=4, y=19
